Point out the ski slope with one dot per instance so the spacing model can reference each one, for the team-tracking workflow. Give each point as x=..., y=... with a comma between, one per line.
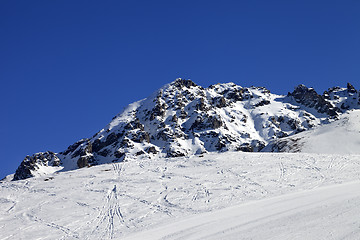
x=322, y=213
x=282, y=194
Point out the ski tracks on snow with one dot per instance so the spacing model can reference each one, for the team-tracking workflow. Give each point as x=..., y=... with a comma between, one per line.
x=110, y=217
x=68, y=232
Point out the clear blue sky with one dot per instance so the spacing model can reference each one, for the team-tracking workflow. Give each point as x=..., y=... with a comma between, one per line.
x=67, y=67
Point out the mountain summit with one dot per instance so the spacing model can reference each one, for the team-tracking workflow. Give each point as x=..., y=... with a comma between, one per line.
x=184, y=119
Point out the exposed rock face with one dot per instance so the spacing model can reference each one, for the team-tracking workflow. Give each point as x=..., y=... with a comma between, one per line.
x=350, y=88
x=32, y=163
x=343, y=98
x=309, y=98
x=181, y=83
x=182, y=119
x=286, y=145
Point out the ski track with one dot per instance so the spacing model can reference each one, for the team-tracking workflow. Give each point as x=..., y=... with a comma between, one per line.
x=110, y=218
x=255, y=220
x=123, y=199
x=66, y=231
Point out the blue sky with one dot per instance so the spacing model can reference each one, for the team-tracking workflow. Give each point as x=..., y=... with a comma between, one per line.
x=67, y=67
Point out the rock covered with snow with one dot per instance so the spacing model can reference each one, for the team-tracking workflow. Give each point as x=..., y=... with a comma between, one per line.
x=338, y=137
x=309, y=98
x=184, y=119
x=343, y=98
x=38, y=164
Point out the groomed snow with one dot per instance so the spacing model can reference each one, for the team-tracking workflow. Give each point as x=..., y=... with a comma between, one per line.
x=229, y=195
x=322, y=213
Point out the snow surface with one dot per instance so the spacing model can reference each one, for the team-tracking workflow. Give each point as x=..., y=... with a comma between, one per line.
x=342, y=136
x=310, y=214
x=230, y=195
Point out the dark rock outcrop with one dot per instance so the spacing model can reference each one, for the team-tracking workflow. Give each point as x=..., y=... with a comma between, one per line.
x=262, y=103
x=350, y=88
x=32, y=163
x=309, y=98
x=180, y=83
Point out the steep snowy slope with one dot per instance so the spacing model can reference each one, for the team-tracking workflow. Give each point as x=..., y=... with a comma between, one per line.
x=114, y=201
x=184, y=119
x=342, y=136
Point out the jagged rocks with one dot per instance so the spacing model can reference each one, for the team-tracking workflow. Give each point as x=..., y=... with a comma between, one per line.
x=74, y=146
x=139, y=153
x=175, y=153
x=245, y=147
x=206, y=122
x=165, y=135
x=183, y=114
x=234, y=94
x=254, y=146
x=201, y=106
x=219, y=102
x=343, y=98
x=83, y=161
x=140, y=136
x=126, y=143
x=134, y=125
x=104, y=152
x=350, y=88
x=180, y=83
x=98, y=144
x=309, y=98
x=174, y=119
x=262, y=103
x=215, y=122
x=84, y=149
x=286, y=145
x=151, y=150
x=158, y=111
x=119, y=154
x=32, y=163
x=86, y=155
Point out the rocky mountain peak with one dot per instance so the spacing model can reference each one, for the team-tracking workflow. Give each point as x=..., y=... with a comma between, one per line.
x=310, y=98
x=34, y=164
x=181, y=83
x=350, y=88
x=184, y=119
x=343, y=98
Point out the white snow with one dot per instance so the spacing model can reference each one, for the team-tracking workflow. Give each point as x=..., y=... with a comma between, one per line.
x=339, y=137
x=214, y=196
x=342, y=136
x=310, y=214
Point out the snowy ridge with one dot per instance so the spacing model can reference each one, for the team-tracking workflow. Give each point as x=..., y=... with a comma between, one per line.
x=339, y=137
x=184, y=119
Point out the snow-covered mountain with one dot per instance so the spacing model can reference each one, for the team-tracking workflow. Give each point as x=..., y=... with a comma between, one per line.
x=180, y=167
x=183, y=119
